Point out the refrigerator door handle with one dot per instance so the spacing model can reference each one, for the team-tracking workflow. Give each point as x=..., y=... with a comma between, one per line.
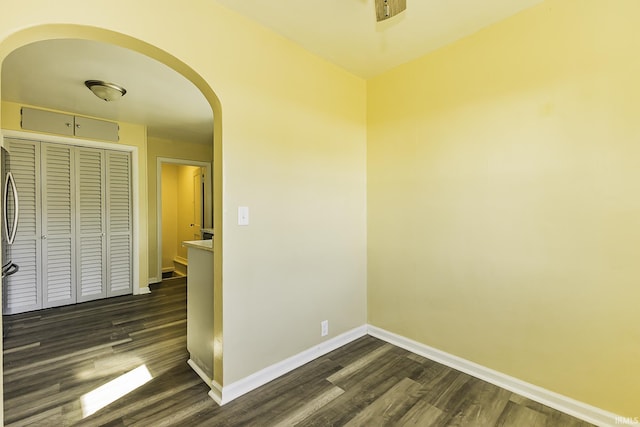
x=11, y=235
x=10, y=269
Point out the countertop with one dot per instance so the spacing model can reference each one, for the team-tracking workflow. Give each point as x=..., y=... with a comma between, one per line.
x=205, y=245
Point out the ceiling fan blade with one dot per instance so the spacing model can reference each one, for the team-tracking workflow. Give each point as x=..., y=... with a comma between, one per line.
x=386, y=9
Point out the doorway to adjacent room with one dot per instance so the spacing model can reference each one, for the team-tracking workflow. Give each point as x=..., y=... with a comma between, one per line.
x=184, y=209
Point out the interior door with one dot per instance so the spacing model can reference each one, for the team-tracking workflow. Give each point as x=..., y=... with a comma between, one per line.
x=198, y=188
x=58, y=236
x=90, y=224
x=119, y=223
x=75, y=232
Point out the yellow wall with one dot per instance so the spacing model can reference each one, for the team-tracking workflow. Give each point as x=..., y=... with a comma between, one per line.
x=503, y=183
x=169, y=214
x=292, y=138
x=179, y=150
x=130, y=134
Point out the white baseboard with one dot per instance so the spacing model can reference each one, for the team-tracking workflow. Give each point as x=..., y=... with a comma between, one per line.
x=225, y=394
x=216, y=392
x=144, y=290
x=253, y=381
x=200, y=372
x=180, y=260
x=554, y=400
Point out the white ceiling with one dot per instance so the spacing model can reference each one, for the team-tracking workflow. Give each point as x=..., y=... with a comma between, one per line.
x=51, y=73
x=345, y=31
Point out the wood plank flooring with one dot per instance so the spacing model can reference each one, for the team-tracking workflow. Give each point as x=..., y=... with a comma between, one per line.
x=53, y=357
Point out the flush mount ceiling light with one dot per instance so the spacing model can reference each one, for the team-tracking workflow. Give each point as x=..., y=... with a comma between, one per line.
x=105, y=91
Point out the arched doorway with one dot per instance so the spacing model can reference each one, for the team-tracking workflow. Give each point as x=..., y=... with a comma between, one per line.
x=46, y=32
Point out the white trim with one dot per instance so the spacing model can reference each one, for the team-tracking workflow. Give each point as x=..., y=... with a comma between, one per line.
x=208, y=212
x=255, y=380
x=78, y=142
x=181, y=260
x=135, y=197
x=135, y=184
x=223, y=395
x=199, y=371
x=554, y=400
x=144, y=290
x=216, y=392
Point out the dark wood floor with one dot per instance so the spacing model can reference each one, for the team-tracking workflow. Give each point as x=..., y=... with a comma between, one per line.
x=53, y=357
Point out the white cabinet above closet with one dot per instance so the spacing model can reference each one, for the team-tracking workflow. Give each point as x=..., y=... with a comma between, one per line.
x=47, y=121
x=68, y=125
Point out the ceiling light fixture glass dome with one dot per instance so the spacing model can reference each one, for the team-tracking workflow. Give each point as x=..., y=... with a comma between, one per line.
x=105, y=91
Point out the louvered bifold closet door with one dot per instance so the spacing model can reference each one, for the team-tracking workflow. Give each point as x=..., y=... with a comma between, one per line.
x=22, y=291
x=58, y=239
x=119, y=224
x=90, y=224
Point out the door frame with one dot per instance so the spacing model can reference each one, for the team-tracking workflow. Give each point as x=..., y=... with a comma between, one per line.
x=207, y=221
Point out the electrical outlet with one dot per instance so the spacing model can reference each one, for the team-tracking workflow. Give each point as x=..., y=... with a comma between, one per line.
x=324, y=328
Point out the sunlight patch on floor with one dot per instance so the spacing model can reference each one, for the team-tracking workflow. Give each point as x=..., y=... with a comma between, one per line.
x=108, y=393
x=108, y=366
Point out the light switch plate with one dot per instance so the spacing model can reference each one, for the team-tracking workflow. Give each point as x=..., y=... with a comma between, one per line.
x=243, y=215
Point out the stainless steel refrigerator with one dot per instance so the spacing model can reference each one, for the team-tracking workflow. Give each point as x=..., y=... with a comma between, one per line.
x=10, y=215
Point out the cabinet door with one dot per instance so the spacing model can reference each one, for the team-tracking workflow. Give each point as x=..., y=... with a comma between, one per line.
x=96, y=129
x=47, y=121
x=119, y=223
x=90, y=224
x=22, y=290
x=58, y=244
